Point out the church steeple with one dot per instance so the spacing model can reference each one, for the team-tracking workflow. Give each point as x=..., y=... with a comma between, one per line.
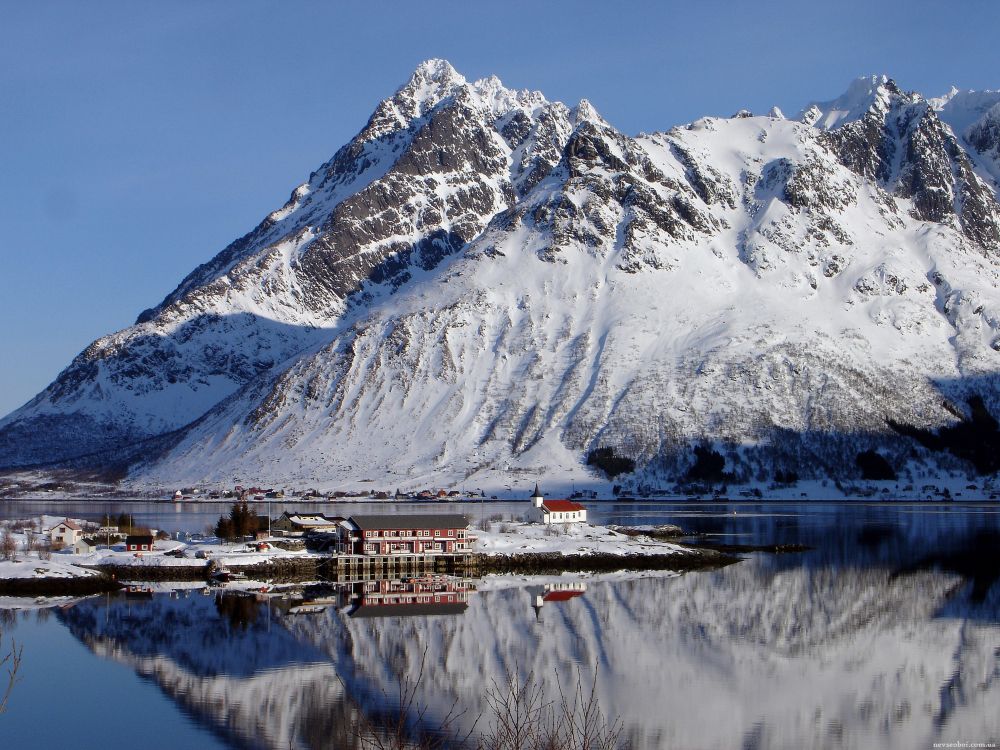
x=537, y=498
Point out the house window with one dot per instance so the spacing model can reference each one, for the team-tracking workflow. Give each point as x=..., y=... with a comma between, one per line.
x=451, y=532
x=437, y=532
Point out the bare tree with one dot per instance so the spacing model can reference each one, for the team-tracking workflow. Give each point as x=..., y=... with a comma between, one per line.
x=518, y=710
x=582, y=724
x=408, y=727
x=8, y=545
x=520, y=718
x=523, y=719
x=10, y=663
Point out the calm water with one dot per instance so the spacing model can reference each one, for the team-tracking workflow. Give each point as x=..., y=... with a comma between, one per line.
x=885, y=634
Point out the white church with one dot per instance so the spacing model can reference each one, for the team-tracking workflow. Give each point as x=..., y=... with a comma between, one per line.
x=554, y=511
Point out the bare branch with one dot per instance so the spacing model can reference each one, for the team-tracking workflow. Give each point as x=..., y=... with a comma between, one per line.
x=12, y=663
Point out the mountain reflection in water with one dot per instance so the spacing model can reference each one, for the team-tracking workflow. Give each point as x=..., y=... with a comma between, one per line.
x=886, y=634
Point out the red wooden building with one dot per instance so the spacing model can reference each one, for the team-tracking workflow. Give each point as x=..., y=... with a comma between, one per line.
x=139, y=543
x=426, y=534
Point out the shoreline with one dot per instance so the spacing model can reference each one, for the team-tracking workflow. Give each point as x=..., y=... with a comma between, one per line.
x=677, y=500
x=324, y=568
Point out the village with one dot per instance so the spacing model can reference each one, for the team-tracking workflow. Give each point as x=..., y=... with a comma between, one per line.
x=354, y=547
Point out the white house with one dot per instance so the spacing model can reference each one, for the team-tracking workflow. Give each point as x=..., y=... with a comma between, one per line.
x=84, y=546
x=65, y=533
x=555, y=511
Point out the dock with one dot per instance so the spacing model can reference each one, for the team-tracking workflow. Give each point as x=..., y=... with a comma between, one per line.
x=345, y=568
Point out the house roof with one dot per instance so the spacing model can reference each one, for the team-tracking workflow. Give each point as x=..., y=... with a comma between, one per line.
x=68, y=524
x=562, y=506
x=313, y=521
x=560, y=596
x=421, y=521
x=408, y=610
x=310, y=519
x=139, y=539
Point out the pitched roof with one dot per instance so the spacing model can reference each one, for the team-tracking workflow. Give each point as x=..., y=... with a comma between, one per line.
x=139, y=538
x=560, y=596
x=69, y=525
x=421, y=521
x=313, y=520
x=562, y=506
x=407, y=610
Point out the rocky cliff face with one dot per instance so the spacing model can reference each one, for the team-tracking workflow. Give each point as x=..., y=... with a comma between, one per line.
x=484, y=283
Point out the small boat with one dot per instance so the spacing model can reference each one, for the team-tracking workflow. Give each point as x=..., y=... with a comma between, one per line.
x=225, y=575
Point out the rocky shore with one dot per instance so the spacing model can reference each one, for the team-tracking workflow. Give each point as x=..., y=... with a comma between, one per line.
x=536, y=563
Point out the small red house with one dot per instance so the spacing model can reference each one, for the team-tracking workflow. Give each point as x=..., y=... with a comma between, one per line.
x=139, y=543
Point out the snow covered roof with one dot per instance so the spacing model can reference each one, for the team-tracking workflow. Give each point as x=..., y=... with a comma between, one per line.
x=562, y=506
x=314, y=520
x=421, y=521
x=68, y=524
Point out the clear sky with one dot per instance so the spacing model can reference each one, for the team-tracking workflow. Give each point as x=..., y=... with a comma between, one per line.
x=137, y=139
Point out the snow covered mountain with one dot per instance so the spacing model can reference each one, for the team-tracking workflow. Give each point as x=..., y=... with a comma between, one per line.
x=483, y=284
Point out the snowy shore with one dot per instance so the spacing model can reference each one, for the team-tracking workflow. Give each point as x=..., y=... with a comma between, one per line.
x=499, y=547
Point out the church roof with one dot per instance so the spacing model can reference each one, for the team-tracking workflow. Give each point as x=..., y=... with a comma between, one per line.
x=562, y=506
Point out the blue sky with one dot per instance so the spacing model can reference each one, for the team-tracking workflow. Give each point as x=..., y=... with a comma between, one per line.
x=138, y=139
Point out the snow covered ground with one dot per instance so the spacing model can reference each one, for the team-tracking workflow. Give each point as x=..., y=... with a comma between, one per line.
x=32, y=567
x=510, y=537
x=514, y=537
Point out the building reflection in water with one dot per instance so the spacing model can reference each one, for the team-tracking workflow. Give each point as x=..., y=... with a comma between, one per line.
x=403, y=597
x=550, y=593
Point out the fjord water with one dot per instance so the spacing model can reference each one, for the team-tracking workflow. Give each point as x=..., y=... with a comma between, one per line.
x=885, y=634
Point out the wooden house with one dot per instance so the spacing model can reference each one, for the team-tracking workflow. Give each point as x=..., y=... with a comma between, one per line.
x=66, y=533
x=425, y=534
x=139, y=543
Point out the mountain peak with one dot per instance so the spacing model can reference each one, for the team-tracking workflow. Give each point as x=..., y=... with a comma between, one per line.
x=437, y=70
x=586, y=112
x=861, y=95
x=962, y=109
x=431, y=82
x=856, y=263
